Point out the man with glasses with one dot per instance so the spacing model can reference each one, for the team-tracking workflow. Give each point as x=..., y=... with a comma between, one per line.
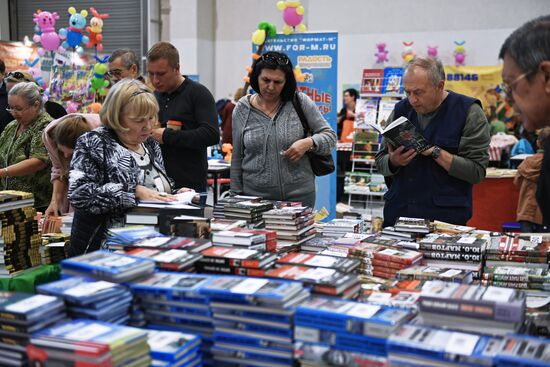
x=187, y=116
x=436, y=184
x=526, y=77
x=5, y=116
x=124, y=63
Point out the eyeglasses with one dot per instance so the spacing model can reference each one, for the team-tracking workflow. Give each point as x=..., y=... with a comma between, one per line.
x=115, y=72
x=273, y=59
x=508, y=88
x=17, y=110
x=17, y=75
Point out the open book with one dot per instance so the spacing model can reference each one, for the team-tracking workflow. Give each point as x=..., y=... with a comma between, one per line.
x=183, y=200
x=402, y=132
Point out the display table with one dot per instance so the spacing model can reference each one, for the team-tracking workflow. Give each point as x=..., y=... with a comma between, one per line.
x=495, y=202
x=27, y=281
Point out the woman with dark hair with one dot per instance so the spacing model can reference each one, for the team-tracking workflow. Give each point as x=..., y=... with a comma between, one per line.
x=346, y=116
x=269, y=142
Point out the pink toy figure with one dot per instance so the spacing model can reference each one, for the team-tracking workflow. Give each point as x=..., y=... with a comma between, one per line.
x=432, y=51
x=408, y=53
x=72, y=107
x=382, y=53
x=35, y=72
x=293, y=14
x=48, y=37
x=460, y=53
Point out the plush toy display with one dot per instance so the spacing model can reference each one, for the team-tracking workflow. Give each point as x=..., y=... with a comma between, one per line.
x=48, y=37
x=293, y=14
x=73, y=35
x=95, y=29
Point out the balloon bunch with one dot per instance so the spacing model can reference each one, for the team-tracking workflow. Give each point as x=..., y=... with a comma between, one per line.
x=432, y=51
x=35, y=72
x=408, y=53
x=382, y=53
x=95, y=29
x=460, y=53
x=259, y=37
x=73, y=34
x=293, y=14
x=48, y=37
x=98, y=82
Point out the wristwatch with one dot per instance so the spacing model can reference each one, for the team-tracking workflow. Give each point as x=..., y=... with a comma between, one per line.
x=436, y=152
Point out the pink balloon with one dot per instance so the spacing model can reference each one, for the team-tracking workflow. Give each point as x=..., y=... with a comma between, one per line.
x=50, y=41
x=459, y=58
x=291, y=17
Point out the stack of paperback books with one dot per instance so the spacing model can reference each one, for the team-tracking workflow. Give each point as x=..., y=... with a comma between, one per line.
x=251, y=239
x=89, y=343
x=521, y=277
x=317, y=244
x=387, y=261
x=172, y=348
x=126, y=235
x=228, y=260
x=22, y=314
x=220, y=224
x=172, y=301
x=250, y=210
x=472, y=308
x=190, y=226
x=417, y=345
x=103, y=265
x=341, y=264
x=19, y=239
x=349, y=327
x=192, y=245
x=465, y=252
x=323, y=281
x=294, y=226
x=423, y=272
x=339, y=227
x=173, y=260
x=55, y=247
x=91, y=299
x=253, y=320
x=516, y=251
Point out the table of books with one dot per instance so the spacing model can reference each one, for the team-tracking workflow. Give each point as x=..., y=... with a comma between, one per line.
x=27, y=281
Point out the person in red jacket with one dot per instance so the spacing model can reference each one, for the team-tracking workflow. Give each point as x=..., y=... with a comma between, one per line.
x=528, y=213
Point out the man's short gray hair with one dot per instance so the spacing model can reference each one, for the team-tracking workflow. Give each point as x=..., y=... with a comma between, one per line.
x=127, y=56
x=529, y=45
x=433, y=67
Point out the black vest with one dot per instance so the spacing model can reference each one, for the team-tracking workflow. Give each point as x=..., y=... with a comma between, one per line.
x=423, y=189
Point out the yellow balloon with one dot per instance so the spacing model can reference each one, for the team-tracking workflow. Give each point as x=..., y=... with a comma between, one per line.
x=258, y=37
x=281, y=5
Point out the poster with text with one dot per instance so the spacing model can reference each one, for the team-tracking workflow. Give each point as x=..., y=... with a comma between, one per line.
x=316, y=53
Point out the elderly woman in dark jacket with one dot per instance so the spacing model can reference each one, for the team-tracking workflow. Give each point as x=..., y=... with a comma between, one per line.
x=116, y=165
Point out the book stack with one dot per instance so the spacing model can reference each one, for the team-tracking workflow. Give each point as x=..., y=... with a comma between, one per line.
x=412, y=225
x=472, y=308
x=294, y=226
x=402, y=299
x=20, y=238
x=172, y=301
x=339, y=227
x=171, y=260
x=253, y=320
x=55, y=247
x=220, y=224
x=190, y=226
x=52, y=224
x=91, y=299
x=516, y=277
x=249, y=210
x=323, y=281
x=423, y=272
x=89, y=343
x=418, y=345
x=22, y=314
x=111, y=267
x=525, y=252
x=192, y=245
x=250, y=239
x=340, y=264
x=227, y=260
x=387, y=261
x=523, y=350
x=316, y=244
x=346, y=326
x=122, y=236
x=171, y=348
x=461, y=252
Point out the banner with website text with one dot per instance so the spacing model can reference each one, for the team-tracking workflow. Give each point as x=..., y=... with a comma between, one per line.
x=316, y=53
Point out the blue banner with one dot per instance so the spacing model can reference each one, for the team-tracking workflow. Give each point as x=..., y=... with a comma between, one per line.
x=317, y=56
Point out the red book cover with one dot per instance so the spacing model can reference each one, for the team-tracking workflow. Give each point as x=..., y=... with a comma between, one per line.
x=372, y=81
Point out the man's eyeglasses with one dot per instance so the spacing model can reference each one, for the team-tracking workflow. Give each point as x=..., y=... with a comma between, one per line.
x=273, y=59
x=115, y=72
x=17, y=75
x=508, y=88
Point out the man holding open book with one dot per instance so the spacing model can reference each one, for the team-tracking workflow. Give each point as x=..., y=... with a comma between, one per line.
x=434, y=183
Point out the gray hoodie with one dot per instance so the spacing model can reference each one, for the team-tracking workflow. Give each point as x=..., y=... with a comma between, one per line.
x=258, y=168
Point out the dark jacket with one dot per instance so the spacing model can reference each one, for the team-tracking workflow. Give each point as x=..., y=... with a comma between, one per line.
x=423, y=189
x=543, y=186
x=5, y=116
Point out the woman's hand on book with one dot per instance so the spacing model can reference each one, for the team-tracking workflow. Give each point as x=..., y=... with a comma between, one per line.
x=399, y=157
x=146, y=194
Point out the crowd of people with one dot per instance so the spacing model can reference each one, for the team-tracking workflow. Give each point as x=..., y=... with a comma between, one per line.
x=150, y=138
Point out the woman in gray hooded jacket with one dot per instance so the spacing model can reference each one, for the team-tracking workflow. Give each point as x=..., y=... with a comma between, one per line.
x=269, y=143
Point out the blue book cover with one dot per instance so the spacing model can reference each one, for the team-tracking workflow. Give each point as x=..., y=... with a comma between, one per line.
x=107, y=264
x=81, y=290
x=177, y=286
x=24, y=307
x=393, y=81
x=172, y=346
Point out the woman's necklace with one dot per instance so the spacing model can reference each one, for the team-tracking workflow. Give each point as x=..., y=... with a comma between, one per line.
x=264, y=110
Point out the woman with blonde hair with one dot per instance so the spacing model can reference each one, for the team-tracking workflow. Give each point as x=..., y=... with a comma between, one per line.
x=116, y=165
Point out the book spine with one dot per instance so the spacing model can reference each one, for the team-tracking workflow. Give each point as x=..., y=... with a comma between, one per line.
x=450, y=248
x=452, y=256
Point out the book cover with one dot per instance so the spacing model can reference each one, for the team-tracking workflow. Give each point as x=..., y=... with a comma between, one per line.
x=372, y=81
x=385, y=108
x=365, y=113
x=393, y=81
x=402, y=132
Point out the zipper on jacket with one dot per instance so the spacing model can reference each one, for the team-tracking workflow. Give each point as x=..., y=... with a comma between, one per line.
x=279, y=157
